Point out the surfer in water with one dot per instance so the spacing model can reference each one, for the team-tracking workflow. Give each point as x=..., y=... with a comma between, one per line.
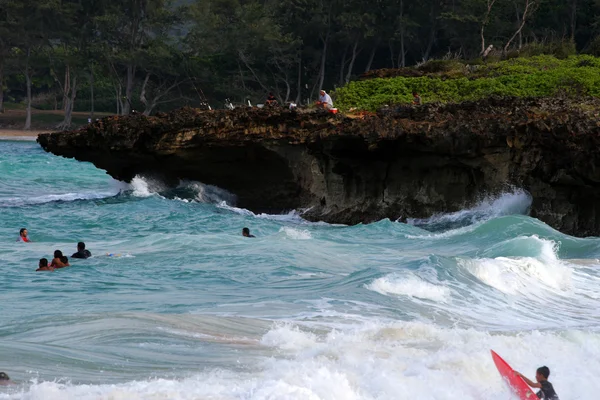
x=23, y=236
x=246, y=233
x=541, y=376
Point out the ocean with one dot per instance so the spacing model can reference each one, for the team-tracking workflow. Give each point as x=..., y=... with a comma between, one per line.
x=176, y=304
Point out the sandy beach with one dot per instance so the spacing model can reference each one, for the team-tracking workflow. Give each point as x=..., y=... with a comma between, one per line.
x=18, y=132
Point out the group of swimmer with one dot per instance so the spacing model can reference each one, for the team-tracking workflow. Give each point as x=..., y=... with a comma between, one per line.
x=59, y=260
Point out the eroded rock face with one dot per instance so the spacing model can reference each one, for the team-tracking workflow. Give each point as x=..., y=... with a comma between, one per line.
x=409, y=162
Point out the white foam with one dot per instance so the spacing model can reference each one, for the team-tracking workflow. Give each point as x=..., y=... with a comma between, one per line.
x=141, y=187
x=393, y=360
x=524, y=275
x=296, y=234
x=411, y=286
x=48, y=198
x=516, y=202
x=209, y=193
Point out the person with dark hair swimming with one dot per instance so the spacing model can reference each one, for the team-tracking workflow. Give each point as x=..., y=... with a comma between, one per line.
x=59, y=260
x=23, y=236
x=5, y=379
x=43, y=265
x=246, y=233
x=541, y=376
x=81, y=251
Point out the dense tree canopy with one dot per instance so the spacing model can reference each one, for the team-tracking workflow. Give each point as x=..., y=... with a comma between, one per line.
x=149, y=55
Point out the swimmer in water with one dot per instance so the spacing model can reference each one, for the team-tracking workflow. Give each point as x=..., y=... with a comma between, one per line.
x=23, y=236
x=59, y=261
x=5, y=379
x=246, y=233
x=81, y=251
x=43, y=266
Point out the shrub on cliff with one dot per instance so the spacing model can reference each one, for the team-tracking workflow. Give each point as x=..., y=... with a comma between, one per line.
x=522, y=77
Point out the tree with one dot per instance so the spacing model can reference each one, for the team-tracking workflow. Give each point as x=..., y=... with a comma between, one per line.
x=128, y=27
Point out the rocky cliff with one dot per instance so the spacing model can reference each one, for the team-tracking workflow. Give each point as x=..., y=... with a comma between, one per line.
x=399, y=163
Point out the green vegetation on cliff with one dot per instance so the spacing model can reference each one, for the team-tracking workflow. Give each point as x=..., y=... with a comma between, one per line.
x=452, y=81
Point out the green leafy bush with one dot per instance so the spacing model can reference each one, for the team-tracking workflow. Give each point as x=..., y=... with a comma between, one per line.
x=522, y=77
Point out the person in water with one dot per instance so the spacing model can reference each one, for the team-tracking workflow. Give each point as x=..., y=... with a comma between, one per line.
x=541, y=376
x=246, y=233
x=5, y=379
x=23, y=236
x=81, y=251
x=59, y=261
x=43, y=265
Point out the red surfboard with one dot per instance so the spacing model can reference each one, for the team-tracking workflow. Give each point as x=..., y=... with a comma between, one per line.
x=516, y=383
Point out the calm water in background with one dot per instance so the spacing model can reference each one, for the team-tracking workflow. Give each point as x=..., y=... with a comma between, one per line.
x=186, y=308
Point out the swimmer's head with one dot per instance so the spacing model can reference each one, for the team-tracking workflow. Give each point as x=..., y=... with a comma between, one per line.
x=43, y=262
x=23, y=232
x=58, y=254
x=80, y=246
x=246, y=232
x=4, y=377
x=542, y=373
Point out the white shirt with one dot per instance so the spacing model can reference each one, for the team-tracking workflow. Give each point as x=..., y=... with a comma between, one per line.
x=326, y=99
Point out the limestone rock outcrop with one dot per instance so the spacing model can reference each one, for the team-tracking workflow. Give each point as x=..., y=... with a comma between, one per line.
x=398, y=163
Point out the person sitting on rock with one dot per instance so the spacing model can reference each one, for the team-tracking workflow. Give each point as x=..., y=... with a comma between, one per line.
x=59, y=260
x=23, y=236
x=324, y=100
x=246, y=233
x=417, y=99
x=81, y=251
x=43, y=265
x=271, y=100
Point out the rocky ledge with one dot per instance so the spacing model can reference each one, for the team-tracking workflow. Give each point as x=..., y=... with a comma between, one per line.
x=398, y=163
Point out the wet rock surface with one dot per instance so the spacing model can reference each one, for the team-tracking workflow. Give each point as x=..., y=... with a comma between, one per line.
x=399, y=163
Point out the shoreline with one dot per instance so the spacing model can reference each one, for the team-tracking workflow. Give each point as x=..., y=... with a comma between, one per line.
x=17, y=134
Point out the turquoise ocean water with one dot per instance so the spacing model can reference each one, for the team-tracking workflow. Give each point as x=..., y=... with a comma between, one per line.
x=186, y=308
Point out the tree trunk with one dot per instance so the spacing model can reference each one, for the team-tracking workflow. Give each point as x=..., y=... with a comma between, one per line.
x=529, y=5
x=66, y=88
x=343, y=66
x=486, y=20
x=392, y=55
x=352, y=60
x=69, y=103
x=2, y=86
x=28, y=83
x=299, y=87
x=371, y=57
x=143, y=98
x=323, y=59
x=402, y=57
x=520, y=35
x=126, y=107
x=92, y=93
x=432, y=32
x=573, y=20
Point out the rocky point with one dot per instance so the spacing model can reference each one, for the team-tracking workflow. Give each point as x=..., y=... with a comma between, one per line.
x=399, y=163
